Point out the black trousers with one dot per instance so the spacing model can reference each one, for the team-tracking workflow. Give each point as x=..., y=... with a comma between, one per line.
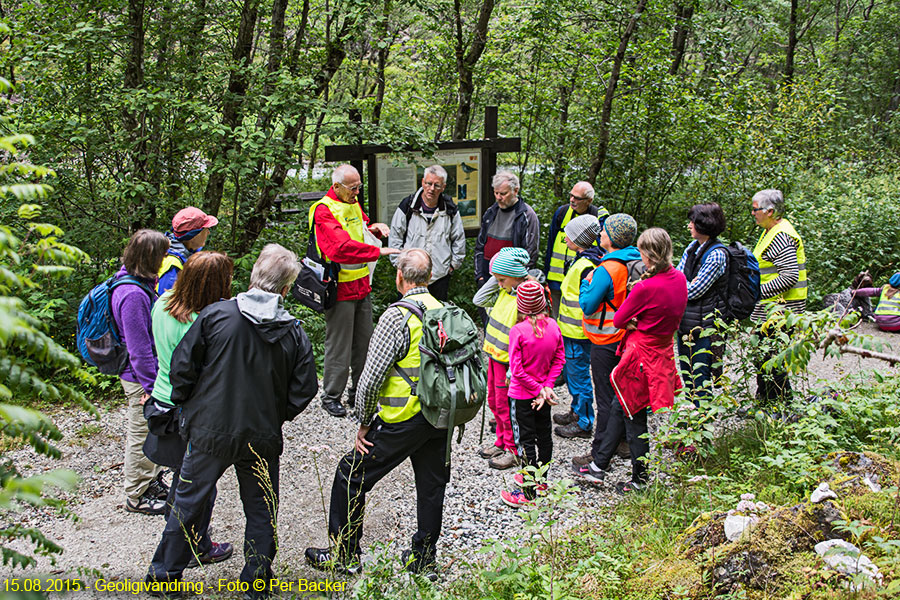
x=358, y=473
x=774, y=387
x=616, y=426
x=258, y=482
x=440, y=288
x=533, y=434
x=603, y=361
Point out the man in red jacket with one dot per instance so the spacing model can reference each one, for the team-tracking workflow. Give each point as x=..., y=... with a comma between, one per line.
x=339, y=221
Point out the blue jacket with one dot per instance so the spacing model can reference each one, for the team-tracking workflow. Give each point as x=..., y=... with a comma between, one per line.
x=600, y=288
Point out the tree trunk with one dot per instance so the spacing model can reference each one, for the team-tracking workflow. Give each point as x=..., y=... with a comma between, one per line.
x=134, y=120
x=231, y=110
x=791, y=46
x=383, y=49
x=466, y=59
x=683, y=16
x=560, y=161
x=606, y=112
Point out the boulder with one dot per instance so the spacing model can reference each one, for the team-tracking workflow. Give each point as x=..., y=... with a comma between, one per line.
x=844, y=557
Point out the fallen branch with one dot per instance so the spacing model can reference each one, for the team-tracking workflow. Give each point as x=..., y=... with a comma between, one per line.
x=891, y=358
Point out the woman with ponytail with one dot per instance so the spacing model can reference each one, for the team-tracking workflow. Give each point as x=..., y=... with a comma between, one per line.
x=646, y=375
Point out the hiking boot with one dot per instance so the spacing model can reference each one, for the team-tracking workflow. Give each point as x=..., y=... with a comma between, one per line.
x=158, y=487
x=623, y=450
x=490, y=451
x=427, y=569
x=582, y=459
x=566, y=418
x=147, y=504
x=515, y=498
x=591, y=472
x=165, y=584
x=572, y=430
x=519, y=478
x=217, y=553
x=322, y=559
x=334, y=408
x=630, y=487
x=506, y=460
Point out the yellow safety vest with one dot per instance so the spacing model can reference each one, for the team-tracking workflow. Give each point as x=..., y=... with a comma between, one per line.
x=768, y=271
x=570, y=313
x=888, y=306
x=397, y=401
x=503, y=316
x=560, y=254
x=351, y=220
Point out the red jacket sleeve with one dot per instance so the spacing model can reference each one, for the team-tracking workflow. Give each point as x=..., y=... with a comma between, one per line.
x=336, y=243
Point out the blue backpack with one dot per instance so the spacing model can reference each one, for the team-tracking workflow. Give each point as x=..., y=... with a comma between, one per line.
x=97, y=335
x=743, y=290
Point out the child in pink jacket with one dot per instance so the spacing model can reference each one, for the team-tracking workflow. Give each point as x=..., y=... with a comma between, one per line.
x=536, y=358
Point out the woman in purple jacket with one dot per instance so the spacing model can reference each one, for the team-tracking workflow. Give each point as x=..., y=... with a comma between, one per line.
x=131, y=303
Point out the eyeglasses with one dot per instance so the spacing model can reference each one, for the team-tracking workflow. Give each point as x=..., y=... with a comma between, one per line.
x=355, y=188
x=578, y=198
x=437, y=184
x=756, y=210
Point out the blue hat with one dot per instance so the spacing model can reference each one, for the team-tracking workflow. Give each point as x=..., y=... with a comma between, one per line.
x=621, y=229
x=895, y=280
x=511, y=262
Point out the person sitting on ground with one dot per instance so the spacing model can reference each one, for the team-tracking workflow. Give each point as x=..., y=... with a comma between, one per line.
x=579, y=236
x=536, y=358
x=887, y=312
x=206, y=278
x=190, y=230
x=646, y=375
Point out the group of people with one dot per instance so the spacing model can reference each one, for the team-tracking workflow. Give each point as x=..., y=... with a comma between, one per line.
x=211, y=379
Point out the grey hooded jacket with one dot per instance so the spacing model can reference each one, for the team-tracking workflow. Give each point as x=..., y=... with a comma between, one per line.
x=440, y=234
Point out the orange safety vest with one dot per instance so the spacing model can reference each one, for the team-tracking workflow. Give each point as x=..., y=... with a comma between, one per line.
x=599, y=326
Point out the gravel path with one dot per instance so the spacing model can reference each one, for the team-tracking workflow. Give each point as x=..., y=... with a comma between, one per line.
x=118, y=545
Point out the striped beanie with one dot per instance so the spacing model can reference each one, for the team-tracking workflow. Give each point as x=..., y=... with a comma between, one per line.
x=621, y=229
x=530, y=298
x=583, y=230
x=895, y=280
x=511, y=262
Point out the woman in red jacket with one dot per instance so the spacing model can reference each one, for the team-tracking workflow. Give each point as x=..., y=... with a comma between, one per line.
x=646, y=375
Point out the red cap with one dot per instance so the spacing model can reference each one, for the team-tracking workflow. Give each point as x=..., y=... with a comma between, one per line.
x=190, y=218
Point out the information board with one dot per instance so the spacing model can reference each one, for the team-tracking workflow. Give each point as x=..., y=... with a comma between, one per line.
x=398, y=176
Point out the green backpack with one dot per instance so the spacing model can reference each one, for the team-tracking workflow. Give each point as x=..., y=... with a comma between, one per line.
x=452, y=386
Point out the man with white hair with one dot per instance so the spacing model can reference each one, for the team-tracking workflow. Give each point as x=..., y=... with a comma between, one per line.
x=337, y=221
x=244, y=368
x=429, y=219
x=508, y=222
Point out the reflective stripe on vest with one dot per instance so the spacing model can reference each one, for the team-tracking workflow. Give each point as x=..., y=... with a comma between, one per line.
x=768, y=271
x=570, y=313
x=560, y=254
x=502, y=318
x=351, y=220
x=395, y=397
x=888, y=306
x=604, y=332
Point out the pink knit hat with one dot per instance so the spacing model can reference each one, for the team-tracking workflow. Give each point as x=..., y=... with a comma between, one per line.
x=530, y=298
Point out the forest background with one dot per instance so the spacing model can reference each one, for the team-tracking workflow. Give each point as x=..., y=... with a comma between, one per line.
x=143, y=108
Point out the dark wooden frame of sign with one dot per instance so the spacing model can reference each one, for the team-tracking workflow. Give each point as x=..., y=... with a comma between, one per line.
x=360, y=155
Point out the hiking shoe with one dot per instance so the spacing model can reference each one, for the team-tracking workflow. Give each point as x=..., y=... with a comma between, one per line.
x=322, y=559
x=428, y=570
x=158, y=487
x=506, y=460
x=623, y=450
x=565, y=418
x=492, y=424
x=490, y=451
x=217, y=553
x=629, y=487
x=572, y=430
x=591, y=472
x=334, y=408
x=147, y=504
x=165, y=583
x=515, y=498
x=519, y=478
x=582, y=459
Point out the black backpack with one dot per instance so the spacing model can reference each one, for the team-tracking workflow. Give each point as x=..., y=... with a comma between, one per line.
x=743, y=290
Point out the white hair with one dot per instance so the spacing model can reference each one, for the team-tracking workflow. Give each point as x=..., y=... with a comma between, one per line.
x=770, y=200
x=506, y=177
x=588, y=189
x=275, y=269
x=415, y=265
x=437, y=171
x=339, y=175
